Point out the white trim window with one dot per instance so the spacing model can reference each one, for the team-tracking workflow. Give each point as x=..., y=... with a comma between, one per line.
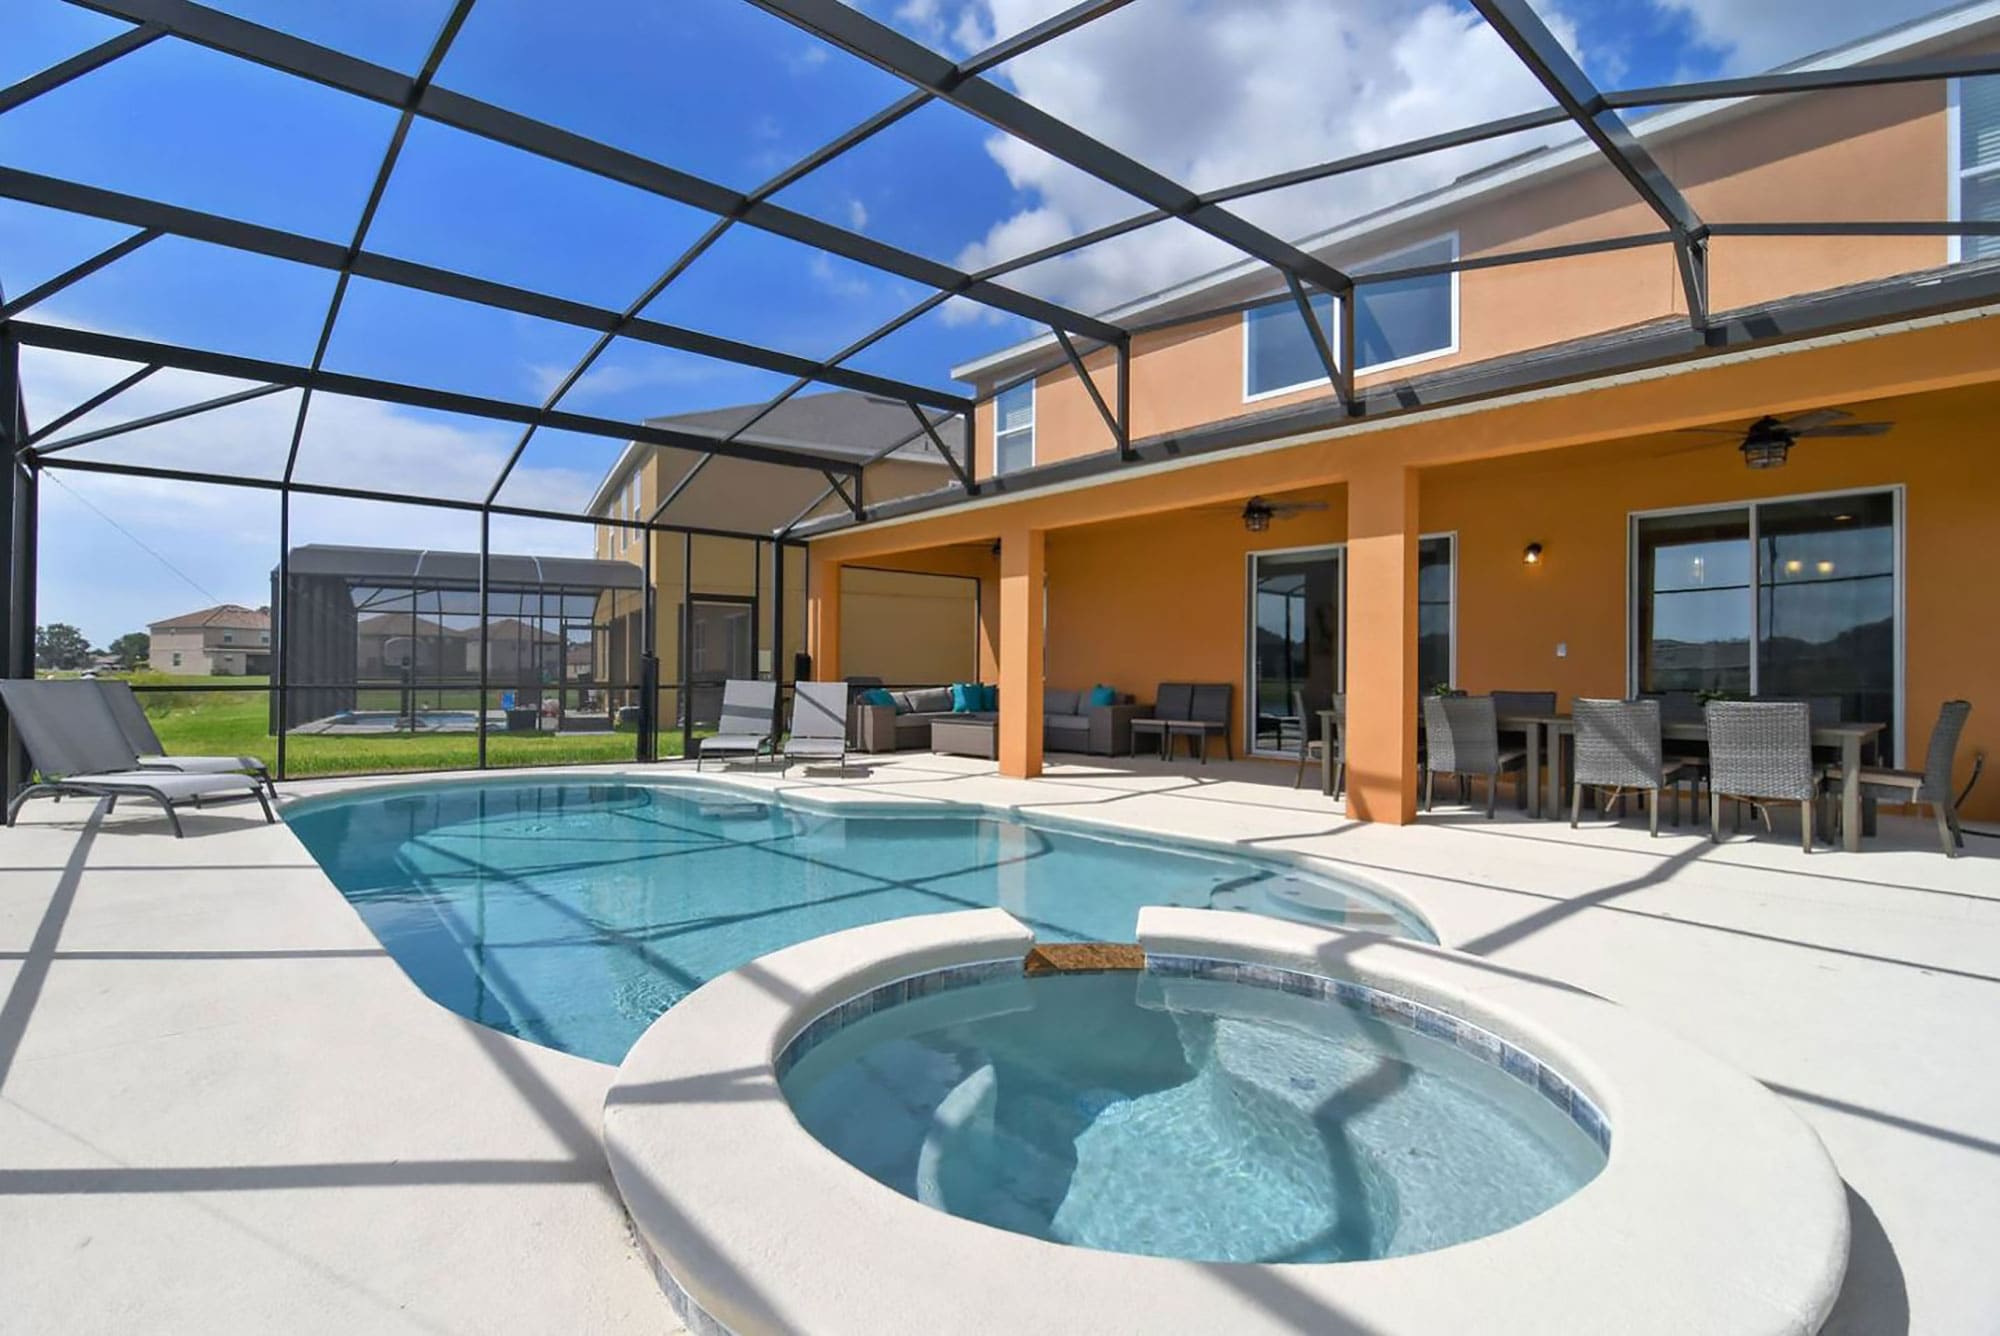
x=1975, y=193
x=1014, y=428
x=1396, y=324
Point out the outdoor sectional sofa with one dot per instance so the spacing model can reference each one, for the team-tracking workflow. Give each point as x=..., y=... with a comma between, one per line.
x=1069, y=722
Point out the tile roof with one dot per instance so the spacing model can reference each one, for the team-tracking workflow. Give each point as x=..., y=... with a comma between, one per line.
x=231, y=615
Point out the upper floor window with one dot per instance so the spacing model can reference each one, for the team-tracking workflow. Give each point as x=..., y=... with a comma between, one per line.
x=1397, y=322
x=1977, y=170
x=228, y=637
x=1014, y=428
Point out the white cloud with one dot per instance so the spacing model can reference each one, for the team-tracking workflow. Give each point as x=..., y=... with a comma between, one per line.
x=806, y=59
x=1754, y=35
x=844, y=282
x=857, y=214
x=1210, y=95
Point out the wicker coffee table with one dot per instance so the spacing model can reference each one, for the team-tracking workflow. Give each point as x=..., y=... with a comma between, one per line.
x=969, y=736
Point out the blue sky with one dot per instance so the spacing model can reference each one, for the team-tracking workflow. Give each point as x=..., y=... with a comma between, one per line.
x=722, y=90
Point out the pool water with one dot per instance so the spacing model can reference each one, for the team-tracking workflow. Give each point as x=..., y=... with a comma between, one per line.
x=1183, y=1117
x=572, y=914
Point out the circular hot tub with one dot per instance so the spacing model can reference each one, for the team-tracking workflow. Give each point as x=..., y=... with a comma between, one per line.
x=1238, y=1125
x=1196, y=1109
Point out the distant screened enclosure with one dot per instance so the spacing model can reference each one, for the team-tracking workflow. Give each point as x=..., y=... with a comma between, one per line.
x=525, y=343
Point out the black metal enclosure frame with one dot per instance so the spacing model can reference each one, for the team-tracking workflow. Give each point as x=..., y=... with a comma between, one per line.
x=1593, y=113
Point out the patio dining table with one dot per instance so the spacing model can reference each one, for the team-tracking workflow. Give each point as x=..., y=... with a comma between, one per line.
x=1545, y=732
x=1846, y=738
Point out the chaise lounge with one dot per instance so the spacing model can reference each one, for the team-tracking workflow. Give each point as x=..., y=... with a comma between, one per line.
x=78, y=750
x=746, y=724
x=152, y=754
x=819, y=724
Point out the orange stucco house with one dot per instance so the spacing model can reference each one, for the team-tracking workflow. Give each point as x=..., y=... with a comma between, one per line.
x=1513, y=399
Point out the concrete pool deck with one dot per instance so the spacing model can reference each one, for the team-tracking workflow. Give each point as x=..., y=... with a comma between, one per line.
x=222, y=1106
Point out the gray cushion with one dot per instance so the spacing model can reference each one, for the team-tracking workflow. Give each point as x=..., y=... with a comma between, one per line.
x=1056, y=701
x=931, y=700
x=902, y=701
x=1066, y=723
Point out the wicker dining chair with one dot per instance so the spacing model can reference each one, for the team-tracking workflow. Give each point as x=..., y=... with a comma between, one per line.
x=1313, y=748
x=1309, y=748
x=1618, y=748
x=1760, y=752
x=1929, y=786
x=1463, y=739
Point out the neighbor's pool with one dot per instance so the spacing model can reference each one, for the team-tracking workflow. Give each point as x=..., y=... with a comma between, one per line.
x=1206, y=1119
x=572, y=914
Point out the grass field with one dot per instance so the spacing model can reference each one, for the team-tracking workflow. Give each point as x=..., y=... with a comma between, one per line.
x=237, y=722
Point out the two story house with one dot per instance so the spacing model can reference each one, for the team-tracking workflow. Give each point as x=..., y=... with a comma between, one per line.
x=1547, y=475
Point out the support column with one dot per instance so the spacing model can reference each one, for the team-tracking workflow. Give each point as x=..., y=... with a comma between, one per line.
x=1382, y=645
x=823, y=616
x=1022, y=572
x=17, y=557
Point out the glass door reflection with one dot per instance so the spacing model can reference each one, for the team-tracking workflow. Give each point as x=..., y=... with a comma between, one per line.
x=1295, y=617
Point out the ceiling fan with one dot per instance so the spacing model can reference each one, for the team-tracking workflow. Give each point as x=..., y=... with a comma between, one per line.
x=1258, y=513
x=1768, y=440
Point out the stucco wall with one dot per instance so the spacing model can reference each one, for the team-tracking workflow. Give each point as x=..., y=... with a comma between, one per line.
x=1871, y=154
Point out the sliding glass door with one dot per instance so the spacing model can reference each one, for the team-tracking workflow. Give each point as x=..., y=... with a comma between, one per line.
x=1295, y=622
x=1298, y=615
x=1694, y=603
x=1826, y=602
x=1794, y=598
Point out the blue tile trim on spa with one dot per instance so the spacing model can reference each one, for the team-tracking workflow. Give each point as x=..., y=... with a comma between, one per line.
x=1391, y=1008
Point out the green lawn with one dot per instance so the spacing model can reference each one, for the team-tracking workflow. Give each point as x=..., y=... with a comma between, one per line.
x=232, y=723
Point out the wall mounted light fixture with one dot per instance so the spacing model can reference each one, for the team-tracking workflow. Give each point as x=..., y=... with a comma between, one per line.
x=1531, y=555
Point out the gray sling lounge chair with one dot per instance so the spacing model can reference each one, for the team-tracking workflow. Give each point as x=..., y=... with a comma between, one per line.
x=819, y=724
x=77, y=749
x=749, y=719
x=140, y=737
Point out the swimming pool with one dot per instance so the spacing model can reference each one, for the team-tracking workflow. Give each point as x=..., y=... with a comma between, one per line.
x=573, y=913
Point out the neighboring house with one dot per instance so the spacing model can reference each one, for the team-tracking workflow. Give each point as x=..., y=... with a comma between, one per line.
x=1540, y=482
x=719, y=493
x=228, y=640
x=736, y=592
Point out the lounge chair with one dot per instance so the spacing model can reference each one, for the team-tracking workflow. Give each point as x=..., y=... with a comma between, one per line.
x=819, y=724
x=77, y=749
x=747, y=722
x=140, y=737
